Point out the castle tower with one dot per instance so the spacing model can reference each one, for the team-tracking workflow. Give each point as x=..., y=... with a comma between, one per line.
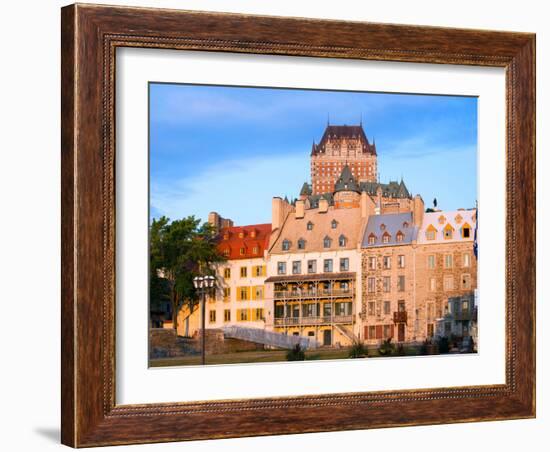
x=347, y=193
x=341, y=146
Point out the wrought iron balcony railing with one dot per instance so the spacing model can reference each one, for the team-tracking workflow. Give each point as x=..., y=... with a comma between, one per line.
x=322, y=320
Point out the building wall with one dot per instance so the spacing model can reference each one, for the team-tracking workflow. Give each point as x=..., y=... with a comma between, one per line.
x=326, y=168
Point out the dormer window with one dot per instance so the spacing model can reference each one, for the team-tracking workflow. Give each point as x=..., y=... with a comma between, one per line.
x=399, y=236
x=386, y=237
x=255, y=250
x=405, y=225
x=334, y=224
x=441, y=219
x=430, y=232
x=326, y=242
x=242, y=250
x=253, y=233
x=226, y=252
x=241, y=234
x=226, y=236
x=382, y=227
x=466, y=231
x=372, y=239
x=301, y=244
x=458, y=219
x=309, y=226
x=286, y=245
x=342, y=241
x=448, y=232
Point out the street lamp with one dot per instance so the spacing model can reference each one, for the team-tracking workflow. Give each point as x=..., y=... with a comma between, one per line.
x=203, y=284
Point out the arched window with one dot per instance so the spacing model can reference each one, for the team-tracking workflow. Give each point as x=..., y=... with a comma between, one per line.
x=386, y=237
x=372, y=239
x=301, y=244
x=334, y=224
x=286, y=245
x=342, y=240
x=399, y=236
x=326, y=242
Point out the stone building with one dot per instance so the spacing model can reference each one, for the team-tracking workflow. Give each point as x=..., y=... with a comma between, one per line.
x=446, y=266
x=340, y=146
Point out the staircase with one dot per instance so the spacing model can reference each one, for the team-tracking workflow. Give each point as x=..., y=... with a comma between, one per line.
x=270, y=338
x=345, y=332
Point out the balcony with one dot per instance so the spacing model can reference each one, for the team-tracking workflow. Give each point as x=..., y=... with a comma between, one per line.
x=465, y=316
x=321, y=293
x=400, y=317
x=323, y=320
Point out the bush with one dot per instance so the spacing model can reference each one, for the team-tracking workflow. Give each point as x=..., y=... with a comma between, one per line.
x=296, y=354
x=443, y=345
x=387, y=348
x=357, y=350
x=400, y=350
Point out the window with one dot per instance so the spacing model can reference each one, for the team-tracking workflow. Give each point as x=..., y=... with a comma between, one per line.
x=466, y=282
x=386, y=283
x=342, y=241
x=301, y=244
x=401, y=283
x=243, y=272
x=309, y=226
x=466, y=232
x=448, y=232
x=448, y=282
x=386, y=238
x=371, y=285
x=344, y=264
x=327, y=310
x=253, y=233
x=344, y=286
x=258, y=293
x=372, y=332
x=387, y=333
x=372, y=239
x=448, y=261
x=296, y=267
x=387, y=307
x=312, y=266
x=326, y=242
x=371, y=307
x=401, y=261
x=255, y=250
x=334, y=224
x=433, y=284
x=226, y=293
x=378, y=308
x=226, y=252
x=241, y=251
x=372, y=263
x=243, y=293
x=386, y=262
x=227, y=315
x=281, y=268
x=227, y=273
x=399, y=236
x=212, y=316
x=431, y=261
x=466, y=260
x=327, y=265
x=258, y=270
x=430, y=232
x=286, y=245
x=241, y=234
x=242, y=314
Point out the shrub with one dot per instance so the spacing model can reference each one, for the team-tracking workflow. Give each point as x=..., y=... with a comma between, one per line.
x=357, y=350
x=424, y=347
x=443, y=345
x=296, y=354
x=400, y=350
x=387, y=348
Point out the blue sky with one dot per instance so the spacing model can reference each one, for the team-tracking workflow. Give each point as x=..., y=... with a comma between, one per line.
x=231, y=149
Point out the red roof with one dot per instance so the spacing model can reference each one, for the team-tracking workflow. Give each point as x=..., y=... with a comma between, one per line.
x=244, y=242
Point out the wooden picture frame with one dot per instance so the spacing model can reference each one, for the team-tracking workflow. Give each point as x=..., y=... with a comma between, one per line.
x=90, y=36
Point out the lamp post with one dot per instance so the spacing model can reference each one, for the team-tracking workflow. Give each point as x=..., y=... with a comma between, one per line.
x=203, y=284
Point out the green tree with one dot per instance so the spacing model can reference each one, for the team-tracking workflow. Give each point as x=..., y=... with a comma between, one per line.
x=179, y=251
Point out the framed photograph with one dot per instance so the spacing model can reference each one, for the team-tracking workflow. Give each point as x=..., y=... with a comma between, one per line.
x=292, y=225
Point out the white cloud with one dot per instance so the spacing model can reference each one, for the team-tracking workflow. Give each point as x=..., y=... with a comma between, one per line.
x=239, y=189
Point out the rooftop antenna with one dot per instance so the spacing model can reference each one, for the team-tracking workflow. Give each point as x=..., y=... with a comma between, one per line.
x=328, y=119
x=361, y=119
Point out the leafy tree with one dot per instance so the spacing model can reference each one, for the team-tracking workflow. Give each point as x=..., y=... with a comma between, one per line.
x=179, y=251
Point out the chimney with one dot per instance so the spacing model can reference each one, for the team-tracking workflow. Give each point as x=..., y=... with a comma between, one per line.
x=364, y=211
x=323, y=205
x=300, y=208
x=418, y=210
x=214, y=219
